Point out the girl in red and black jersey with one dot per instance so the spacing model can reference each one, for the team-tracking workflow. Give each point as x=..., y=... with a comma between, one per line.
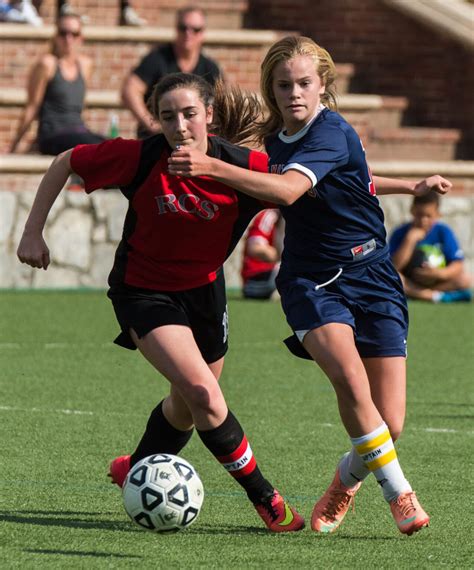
x=167, y=285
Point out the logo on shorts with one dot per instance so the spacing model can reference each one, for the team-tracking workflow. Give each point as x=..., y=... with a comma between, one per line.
x=225, y=324
x=364, y=249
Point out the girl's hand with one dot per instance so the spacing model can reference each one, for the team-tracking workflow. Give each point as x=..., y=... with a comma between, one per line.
x=33, y=250
x=436, y=183
x=188, y=162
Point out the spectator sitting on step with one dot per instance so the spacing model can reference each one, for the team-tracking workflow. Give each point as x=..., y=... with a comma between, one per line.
x=19, y=12
x=26, y=12
x=182, y=55
x=128, y=16
x=428, y=257
x=56, y=91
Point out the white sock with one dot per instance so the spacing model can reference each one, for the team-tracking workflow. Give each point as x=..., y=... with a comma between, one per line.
x=377, y=451
x=352, y=469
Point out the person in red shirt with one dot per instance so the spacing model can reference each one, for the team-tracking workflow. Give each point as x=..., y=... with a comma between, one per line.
x=167, y=284
x=261, y=257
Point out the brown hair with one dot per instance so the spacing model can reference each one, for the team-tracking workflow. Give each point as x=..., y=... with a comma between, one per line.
x=235, y=112
x=431, y=198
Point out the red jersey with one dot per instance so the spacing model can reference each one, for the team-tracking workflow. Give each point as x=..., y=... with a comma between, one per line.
x=177, y=231
x=262, y=229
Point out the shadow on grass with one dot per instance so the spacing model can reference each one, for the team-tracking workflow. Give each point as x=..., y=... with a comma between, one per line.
x=66, y=513
x=51, y=518
x=82, y=520
x=220, y=530
x=80, y=553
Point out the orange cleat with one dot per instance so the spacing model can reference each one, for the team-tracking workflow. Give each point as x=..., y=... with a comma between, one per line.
x=408, y=513
x=332, y=507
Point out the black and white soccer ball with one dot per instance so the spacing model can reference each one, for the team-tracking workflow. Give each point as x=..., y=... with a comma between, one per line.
x=163, y=493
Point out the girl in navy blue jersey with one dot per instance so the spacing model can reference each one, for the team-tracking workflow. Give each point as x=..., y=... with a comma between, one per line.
x=340, y=293
x=167, y=284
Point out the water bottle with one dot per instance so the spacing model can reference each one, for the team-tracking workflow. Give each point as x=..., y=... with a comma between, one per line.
x=113, y=126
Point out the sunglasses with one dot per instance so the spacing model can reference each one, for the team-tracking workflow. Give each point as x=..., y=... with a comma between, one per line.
x=183, y=28
x=65, y=33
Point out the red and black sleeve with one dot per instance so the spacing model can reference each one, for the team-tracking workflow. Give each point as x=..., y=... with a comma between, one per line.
x=111, y=163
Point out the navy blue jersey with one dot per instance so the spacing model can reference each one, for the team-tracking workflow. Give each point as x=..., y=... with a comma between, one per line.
x=339, y=220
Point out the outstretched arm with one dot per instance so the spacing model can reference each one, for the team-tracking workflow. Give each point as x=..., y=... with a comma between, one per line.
x=281, y=189
x=32, y=249
x=285, y=188
x=386, y=186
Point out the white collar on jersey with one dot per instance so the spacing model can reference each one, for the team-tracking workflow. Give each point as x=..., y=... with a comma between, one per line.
x=301, y=133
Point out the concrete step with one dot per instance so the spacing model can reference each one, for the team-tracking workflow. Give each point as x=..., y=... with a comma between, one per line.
x=412, y=143
x=116, y=50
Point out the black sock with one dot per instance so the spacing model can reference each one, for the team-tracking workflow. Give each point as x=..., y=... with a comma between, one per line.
x=230, y=447
x=160, y=437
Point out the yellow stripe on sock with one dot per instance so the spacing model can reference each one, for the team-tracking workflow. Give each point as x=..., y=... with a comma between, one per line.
x=381, y=461
x=364, y=448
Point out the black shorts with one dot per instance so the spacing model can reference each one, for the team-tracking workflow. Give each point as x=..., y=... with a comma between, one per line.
x=203, y=310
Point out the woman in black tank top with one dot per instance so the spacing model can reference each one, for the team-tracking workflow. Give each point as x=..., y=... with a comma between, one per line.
x=56, y=91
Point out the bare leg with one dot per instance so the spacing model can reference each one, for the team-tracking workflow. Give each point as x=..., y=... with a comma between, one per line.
x=175, y=408
x=333, y=348
x=187, y=372
x=387, y=377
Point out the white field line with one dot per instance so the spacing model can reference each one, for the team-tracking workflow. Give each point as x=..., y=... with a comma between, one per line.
x=54, y=345
x=89, y=413
x=58, y=345
x=43, y=411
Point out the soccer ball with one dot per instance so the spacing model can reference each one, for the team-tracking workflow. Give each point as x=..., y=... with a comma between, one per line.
x=425, y=256
x=163, y=493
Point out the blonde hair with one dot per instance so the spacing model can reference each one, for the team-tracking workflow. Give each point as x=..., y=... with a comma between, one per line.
x=284, y=50
x=235, y=113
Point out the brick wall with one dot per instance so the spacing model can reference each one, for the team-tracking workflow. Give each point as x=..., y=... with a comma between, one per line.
x=113, y=60
x=392, y=54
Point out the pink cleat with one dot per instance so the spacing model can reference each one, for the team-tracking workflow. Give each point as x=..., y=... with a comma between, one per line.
x=119, y=469
x=278, y=515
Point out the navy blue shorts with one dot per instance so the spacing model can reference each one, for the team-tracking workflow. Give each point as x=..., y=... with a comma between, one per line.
x=370, y=299
x=203, y=310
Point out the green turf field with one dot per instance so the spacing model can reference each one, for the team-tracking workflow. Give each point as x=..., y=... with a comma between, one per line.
x=71, y=401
